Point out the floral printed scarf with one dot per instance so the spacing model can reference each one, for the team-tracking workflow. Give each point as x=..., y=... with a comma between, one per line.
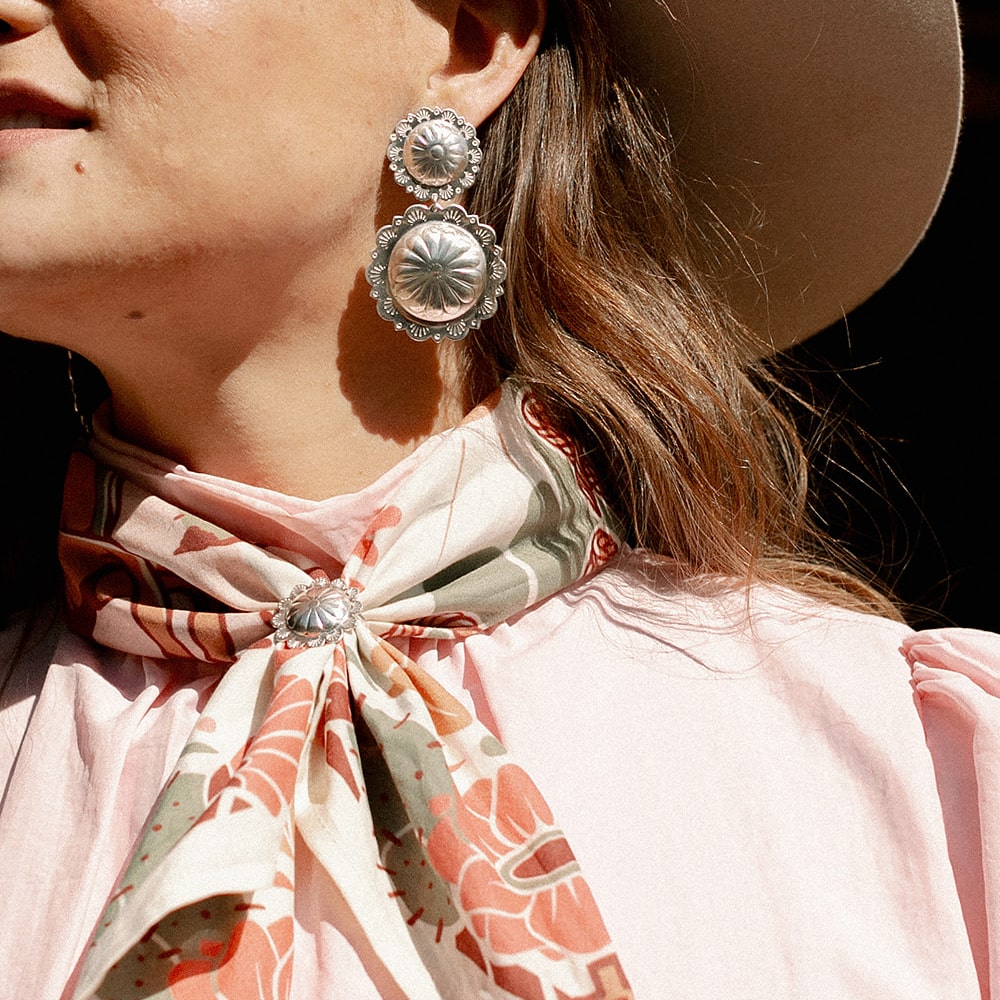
x=320, y=726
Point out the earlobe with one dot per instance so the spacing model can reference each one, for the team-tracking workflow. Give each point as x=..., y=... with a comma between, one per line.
x=492, y=43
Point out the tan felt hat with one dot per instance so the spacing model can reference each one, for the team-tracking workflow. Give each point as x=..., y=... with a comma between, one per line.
x=819, y=133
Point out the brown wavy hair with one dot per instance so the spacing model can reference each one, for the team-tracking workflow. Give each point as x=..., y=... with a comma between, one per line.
x=607, y=316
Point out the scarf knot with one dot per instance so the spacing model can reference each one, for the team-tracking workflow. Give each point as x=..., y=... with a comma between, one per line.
x=320, y=726
x=316, y=613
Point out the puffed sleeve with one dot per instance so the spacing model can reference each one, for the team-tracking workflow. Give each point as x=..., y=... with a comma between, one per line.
x=956, y=675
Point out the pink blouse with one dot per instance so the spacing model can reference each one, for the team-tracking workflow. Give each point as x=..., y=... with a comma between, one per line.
x=771, y=798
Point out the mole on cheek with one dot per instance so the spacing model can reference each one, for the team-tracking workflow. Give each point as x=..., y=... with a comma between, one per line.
x=80, y=167
x=136, y=314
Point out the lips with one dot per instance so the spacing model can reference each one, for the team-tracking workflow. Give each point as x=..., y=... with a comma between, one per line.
x=25, y=106
x=31, y=119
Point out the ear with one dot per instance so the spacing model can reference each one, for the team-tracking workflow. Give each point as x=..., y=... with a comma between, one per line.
x=491, y=44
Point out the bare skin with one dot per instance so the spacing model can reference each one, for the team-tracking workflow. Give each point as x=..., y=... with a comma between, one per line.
x=201, y=236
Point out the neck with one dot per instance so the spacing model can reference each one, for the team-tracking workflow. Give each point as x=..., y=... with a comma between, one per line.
x=283, y=401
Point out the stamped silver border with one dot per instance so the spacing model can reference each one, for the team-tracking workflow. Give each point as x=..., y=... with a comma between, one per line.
x=377, y=273
x=426, y=192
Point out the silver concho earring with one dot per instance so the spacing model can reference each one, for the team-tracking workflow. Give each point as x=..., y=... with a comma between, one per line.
x=437, y=271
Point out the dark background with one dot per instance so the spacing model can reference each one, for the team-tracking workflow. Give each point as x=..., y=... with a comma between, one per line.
x=916, y=370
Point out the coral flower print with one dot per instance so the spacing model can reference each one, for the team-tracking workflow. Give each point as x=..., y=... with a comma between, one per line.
x=255, y=963
x=517, y=878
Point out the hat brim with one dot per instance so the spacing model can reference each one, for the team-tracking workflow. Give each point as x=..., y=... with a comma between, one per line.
x=818, y=137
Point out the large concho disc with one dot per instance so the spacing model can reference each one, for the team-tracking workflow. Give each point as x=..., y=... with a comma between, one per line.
x=436, y=272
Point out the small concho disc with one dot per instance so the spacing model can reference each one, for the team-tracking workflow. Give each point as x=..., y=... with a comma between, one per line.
x=316, y=613
x=436, y=153
x=437, y=272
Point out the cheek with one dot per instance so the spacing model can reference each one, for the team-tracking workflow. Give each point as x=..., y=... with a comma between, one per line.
x=256, y=121
x=279, y=73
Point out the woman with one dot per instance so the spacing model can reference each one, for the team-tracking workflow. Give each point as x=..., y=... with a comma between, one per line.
x=307, y=602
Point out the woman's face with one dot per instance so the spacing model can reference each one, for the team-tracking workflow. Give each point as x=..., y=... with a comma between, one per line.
x=152, y=132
